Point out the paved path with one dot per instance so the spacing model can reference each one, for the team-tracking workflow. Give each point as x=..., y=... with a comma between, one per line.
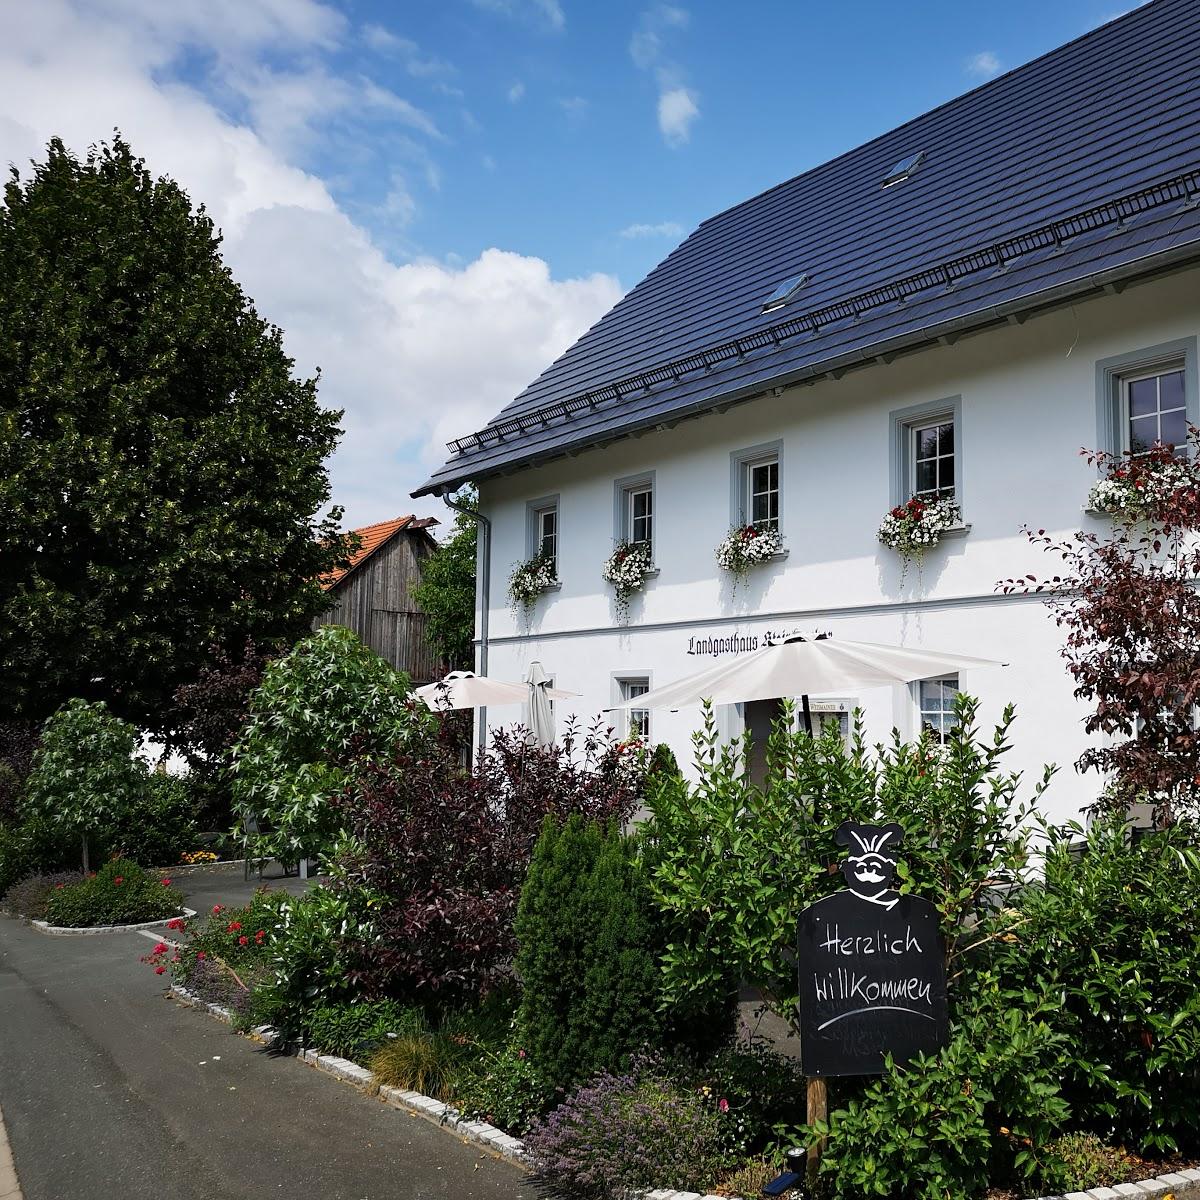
x=110, y=1090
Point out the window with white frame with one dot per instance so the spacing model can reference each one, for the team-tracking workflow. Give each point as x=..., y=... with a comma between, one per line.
x=635, y=511
x=932, y=468
x=935, y=704
x=762, y=492
x=1154, y=408
x=638, y=719
x=1147, y=395
x=544, y=532
x=926, y=451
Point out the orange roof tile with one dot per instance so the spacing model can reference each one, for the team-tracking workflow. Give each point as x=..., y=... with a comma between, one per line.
x=371, y=537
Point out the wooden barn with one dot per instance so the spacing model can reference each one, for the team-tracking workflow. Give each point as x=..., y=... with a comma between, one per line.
x=373, y=596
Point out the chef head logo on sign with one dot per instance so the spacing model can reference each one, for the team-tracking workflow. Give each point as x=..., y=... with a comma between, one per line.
x=870, y=870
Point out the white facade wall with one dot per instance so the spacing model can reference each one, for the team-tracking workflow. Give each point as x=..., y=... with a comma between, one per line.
x=1027, y=402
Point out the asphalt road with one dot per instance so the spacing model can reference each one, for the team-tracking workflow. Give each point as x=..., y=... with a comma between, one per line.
x=108, y=1089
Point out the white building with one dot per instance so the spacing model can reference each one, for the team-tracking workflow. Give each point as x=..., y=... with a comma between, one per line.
x=977, y=292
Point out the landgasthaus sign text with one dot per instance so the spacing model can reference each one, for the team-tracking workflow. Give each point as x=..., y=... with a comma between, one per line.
x=717, y=645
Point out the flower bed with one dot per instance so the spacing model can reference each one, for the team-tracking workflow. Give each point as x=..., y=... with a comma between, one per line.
x=120, y=893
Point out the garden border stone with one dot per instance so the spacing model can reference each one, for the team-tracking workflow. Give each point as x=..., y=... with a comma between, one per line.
x=86, y=930
x=1183, y=1185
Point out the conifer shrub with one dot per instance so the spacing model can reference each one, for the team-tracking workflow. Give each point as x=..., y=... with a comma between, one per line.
x=586, y=953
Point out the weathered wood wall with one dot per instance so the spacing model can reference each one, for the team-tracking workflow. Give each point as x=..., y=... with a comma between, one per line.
x=376, y=602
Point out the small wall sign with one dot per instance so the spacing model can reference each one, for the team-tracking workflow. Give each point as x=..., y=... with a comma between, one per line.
x=872, y=967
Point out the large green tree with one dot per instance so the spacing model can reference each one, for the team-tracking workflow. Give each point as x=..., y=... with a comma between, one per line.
x=161, y=467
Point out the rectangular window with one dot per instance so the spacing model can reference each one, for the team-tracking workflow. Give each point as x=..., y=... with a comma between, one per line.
x=641, y=515
x=1147, y=395
x=762, y=493
x=932, y=472
x=542, y=530
x=935, y=701
x=1154, y=409
x=926, y=451
x=638, y=725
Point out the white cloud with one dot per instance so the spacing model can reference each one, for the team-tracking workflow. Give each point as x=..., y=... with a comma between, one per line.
x=669, y=229
x=389, y=336
x=575, y=107
x=678, y=105
x=548, y=13
x=984, y=65
x=516, y=92
x=677, y=109
x=417, y=64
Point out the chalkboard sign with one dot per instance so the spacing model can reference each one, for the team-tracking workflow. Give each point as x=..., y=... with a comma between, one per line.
x=871, y=966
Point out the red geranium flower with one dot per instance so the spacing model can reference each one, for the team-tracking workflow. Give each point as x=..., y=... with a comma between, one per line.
x=161, y=948
x=233, y=926
x=166, y=883
x=216, y=909
x=160, y=970
x=243, y=940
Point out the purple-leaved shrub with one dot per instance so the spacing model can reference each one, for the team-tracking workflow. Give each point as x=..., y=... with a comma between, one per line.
x=619, y=1133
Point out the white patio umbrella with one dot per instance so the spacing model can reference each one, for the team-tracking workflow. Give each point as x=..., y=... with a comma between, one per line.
x=803, y=667
x=465, y=689
x=540, y=718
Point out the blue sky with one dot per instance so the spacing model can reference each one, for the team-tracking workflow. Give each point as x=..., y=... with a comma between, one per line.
x=548, y=138
x=434, y=198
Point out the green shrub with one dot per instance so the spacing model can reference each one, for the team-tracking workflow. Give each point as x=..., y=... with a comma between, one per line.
x=15, y=858
x=161, y=825
x=1084, y=1162
x=585, y=957
x=504, y=1089
x=29, y=898
x=120, y=893
x=423, y=1062
x=1115, y=932
x=983, y=1111
x=309, y=963
x=87, y=778
x=319, y=709
x=358, y=1029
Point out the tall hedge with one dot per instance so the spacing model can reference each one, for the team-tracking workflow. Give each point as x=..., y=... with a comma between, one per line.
x=586, y=953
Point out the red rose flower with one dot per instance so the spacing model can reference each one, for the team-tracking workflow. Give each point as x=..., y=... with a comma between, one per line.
x=120, y=879
x=233, y=926
x=216, y=909
x=243, y=940
x=200, y=955
x=166, y=883
x=161, y=948
x=160, y=970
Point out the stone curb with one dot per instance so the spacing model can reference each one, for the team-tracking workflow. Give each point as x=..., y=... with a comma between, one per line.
x=1182, y=1185
x=89, y=930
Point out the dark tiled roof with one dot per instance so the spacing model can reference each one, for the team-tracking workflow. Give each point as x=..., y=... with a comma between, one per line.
x=1076, y=169
x=372, y=538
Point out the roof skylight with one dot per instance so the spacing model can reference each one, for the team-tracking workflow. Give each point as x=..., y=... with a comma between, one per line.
x=904, y=168
x=784, y=293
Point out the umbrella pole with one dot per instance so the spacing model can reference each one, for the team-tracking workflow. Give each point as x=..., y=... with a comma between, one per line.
x=807, y=714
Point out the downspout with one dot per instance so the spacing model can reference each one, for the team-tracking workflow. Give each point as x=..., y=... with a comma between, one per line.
x=483, y=589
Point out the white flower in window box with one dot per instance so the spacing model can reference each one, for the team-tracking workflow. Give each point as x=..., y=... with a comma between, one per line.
x=1139, y=485
x=917, y=526
x=746, y=546
x=529, y=580
x=627, y=569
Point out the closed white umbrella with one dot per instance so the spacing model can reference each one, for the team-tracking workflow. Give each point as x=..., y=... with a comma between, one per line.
x=540, y=716
x=465, y=689
x=803, y=666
